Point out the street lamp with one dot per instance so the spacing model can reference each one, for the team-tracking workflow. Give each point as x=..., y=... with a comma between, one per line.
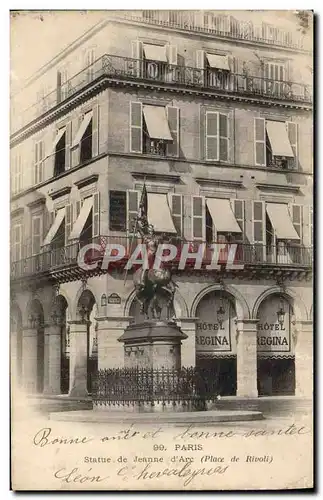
x=103, y=300
x=220, y=315
x=281, y=315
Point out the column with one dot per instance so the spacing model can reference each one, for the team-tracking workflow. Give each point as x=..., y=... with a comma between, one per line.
x=29, y=357
x=53, y=340
x=247, y=358
x=110, y=350
x=188, y=348
x=303, y=339
x=78, y=357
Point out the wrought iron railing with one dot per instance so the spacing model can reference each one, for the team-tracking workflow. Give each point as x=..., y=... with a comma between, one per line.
x=117, y=67
x=124, y=386
x=219, y=25
x=244, y=254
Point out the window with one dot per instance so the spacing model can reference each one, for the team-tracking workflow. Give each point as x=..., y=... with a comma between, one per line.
x=164, y=211
x=118, y=210
x=89, y=59
x=63, y=85
x=274, y=78
x=16, y=242
x=39, y=162
x=85, y=144
x=60, y=146
x=86, y=227
x=16, y=172
x=154, y=129
x=216, y=69
x=36, y=231
x=217, y=136
x=276, y=143
x=154, y=61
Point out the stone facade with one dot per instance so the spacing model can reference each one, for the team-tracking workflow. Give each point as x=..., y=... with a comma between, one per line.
x=64, y=327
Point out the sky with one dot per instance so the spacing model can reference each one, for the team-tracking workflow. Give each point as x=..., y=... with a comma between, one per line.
x=37, y=36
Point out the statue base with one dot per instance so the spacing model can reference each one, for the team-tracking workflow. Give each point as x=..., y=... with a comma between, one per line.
x=152, y=344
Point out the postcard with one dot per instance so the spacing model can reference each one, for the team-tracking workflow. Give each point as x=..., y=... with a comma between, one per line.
x=161, y=207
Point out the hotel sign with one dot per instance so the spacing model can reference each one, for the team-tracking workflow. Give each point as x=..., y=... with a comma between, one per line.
x=214, y=337
x=273, y=336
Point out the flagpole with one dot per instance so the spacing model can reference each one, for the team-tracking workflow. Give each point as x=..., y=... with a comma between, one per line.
x=135, y=228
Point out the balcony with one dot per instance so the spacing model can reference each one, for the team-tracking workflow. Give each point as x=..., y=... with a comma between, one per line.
x=123, y=70
x=257, y=259
x=218, y=25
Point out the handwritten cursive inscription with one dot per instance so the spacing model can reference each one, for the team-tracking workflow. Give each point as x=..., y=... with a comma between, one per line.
x=75, y=476
x=41, y=439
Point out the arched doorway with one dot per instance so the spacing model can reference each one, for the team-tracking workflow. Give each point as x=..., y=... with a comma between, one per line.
x=87, y=305
x=216, y=339
x=16, y=343
x=275, y=347
x=36, y=322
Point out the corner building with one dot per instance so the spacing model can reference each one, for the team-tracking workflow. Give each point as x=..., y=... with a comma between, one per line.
x=214, y=112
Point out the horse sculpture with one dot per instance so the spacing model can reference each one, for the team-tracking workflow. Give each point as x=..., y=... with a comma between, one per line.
x=154, y=288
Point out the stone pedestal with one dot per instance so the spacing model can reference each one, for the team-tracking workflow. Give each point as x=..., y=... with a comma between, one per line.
x=247, y=358
x=188, y=326
x=153, y=344
x=29, y=359
x=52, y=375
x=303, y=338
x=78, y=358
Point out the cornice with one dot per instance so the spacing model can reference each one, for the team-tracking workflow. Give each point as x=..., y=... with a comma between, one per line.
x=104, y=82
x=173, y=178
x=264, y=186
x=219, y=182
x=86, y=181
x=60, y=192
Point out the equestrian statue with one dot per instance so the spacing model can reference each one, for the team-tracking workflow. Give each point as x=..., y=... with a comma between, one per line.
x=154, y=288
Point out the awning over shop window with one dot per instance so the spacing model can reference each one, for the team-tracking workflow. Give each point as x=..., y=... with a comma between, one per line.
x=219, y=62
x=155, y=52
x=222, y=215
x=58, y=137
x=278, y=138
x=55, y=227
x=159, y=214
x=156, y=122
x=282, y=224
x=79, y=135
x=81, y=220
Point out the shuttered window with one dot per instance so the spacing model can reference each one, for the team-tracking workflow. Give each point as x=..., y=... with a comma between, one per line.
x=177, y=212
x=310, y=223
x=16, y=172
x=118, y=210
x=36, y=234
x=89, y=59
x=136, y=127
x=17, y=242
x=217, y=136
x=258, y=220
x=292, y=130
x=95, y=130
x=132, y=209
x=260, y=141
x=239, y=213
x=39, y=162
x=173, y=122
x=296, y=214
x=198, y=218
x=96, y=215
x=68, y=222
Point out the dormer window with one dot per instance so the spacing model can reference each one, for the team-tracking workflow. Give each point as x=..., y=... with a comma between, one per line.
x=154, y=61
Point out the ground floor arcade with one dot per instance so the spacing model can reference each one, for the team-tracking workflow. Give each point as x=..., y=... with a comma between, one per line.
x=258, y=339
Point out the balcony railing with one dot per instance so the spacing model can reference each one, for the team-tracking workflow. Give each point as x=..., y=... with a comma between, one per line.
x=125, y=68
x=219, y=25
x=245, y=254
